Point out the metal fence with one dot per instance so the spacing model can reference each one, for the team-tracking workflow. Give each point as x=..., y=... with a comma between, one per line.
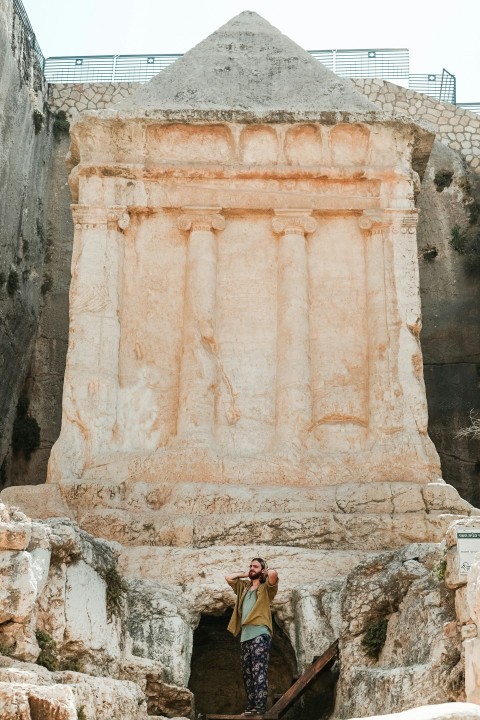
x=21, y=14
x=384, y=63
x=441, y=86
x=473, y=107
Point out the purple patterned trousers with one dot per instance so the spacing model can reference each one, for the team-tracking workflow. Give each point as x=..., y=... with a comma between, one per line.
x=254, y=658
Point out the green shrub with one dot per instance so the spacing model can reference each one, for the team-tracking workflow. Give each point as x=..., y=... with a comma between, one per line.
x=374, y=638
x=48, y=657
x=61, y=126
x=38, y=120
x=116, y=589
x=81, y=714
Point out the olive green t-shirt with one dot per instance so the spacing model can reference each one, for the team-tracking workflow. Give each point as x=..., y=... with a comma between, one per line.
x=251, y=631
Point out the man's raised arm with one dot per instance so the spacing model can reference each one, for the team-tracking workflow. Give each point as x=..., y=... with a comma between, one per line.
x=272, y=577
x=236, y=576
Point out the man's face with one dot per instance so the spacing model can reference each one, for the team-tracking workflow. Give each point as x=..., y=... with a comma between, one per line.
x=255, y=570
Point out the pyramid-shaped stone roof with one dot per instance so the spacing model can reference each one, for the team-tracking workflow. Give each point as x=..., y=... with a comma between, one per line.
x=247, y=70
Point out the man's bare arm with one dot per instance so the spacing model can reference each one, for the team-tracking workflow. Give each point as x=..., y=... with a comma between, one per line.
x=272, y=576
x=236, y=576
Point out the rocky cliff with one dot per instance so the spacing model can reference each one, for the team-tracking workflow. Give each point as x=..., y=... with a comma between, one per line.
x=25, y=142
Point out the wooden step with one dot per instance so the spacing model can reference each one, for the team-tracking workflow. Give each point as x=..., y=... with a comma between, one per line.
x=295, y=691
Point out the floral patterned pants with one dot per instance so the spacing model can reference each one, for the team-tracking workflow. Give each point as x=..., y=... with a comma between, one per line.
x=254, y=658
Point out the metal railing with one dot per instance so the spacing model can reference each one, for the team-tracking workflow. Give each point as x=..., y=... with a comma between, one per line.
x=473, y=107
x=441, y=86
x=384, y=63
x=21, y=14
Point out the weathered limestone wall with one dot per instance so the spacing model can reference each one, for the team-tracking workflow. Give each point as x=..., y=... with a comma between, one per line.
x=24, y=153
x=47, y=368
x=451, y=320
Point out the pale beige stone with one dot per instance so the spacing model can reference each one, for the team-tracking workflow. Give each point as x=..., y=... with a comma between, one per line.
x=443, y=711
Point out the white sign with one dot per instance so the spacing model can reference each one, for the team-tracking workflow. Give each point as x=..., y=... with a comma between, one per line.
x=468, y=545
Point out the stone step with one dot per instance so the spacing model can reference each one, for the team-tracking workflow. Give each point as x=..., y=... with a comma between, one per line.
x=42, y=501
x=309, y=530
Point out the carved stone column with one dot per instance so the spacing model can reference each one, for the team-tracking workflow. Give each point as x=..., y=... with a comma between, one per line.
x=91, y=374
x=407, y=281
x=375, y=226
x=293, y=390
x=199, y=366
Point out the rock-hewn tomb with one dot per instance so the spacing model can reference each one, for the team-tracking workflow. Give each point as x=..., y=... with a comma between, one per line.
x=244, y=371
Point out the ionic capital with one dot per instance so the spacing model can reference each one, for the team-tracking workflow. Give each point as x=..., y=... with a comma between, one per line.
x=118, y=218
x=374, y=221
x=405, y=222
x=202, y=218
x=85, y=216
x=293, y=222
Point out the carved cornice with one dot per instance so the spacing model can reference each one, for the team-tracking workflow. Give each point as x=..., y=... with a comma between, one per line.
x=293, y=222
x=201, y=219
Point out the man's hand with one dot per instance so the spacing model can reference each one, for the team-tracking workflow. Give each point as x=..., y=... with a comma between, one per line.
x=236, y=576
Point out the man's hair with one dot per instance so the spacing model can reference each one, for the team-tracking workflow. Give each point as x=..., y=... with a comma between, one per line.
x=264, y=565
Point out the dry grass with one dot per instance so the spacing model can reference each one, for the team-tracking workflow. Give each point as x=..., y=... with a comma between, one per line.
x=473, y=430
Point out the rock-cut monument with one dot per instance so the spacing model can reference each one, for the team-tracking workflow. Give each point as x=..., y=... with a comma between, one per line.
x=244, y=378
x=244, y=307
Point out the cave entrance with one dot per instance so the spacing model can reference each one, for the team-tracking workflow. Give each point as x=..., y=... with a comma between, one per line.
x=215, y=677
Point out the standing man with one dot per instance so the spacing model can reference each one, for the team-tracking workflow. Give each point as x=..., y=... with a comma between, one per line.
x=252, y=620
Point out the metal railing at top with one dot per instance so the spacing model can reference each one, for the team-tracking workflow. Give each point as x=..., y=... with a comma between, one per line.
x=441, y=86
x=21, y=14
x=473, y=107
x=384, y=63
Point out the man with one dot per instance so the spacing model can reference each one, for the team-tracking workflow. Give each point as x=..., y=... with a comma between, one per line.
x=252, y=620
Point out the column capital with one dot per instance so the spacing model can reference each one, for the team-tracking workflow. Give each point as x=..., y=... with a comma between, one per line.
x=374, y=220
x=201, y=218
x=118, y=217
x=405, y=221
x=293, y=222
x=88, y=215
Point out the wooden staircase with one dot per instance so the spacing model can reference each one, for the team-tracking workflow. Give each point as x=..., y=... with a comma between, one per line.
x=295, y=691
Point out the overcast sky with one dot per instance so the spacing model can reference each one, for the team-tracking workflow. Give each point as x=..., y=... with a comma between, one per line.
x=438, y=33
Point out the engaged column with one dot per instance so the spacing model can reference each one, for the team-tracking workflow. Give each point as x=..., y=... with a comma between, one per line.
x=198, y=367
x=293, y=390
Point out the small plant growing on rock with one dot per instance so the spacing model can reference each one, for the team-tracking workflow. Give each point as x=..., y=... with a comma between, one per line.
x=26, y=430
x=48, y=657
x=443, y=179
x=374, y=638
x=61, y=126
x=81, y=714
x=38, y=120
x=116, y=589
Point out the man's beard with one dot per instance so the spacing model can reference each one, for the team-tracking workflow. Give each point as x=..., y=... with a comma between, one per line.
x=254, y=575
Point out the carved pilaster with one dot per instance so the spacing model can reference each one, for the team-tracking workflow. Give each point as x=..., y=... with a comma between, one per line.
x=199, y=364
x=376, y=226
x=293, y=389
